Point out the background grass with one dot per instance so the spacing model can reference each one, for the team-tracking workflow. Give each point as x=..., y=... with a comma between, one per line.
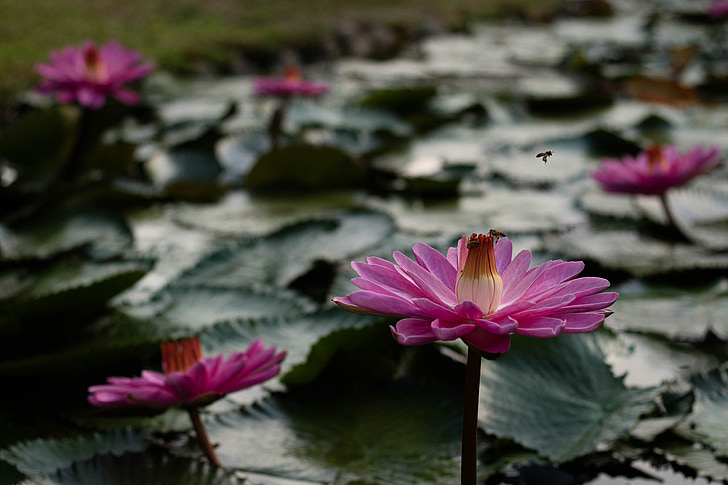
x=182, y=35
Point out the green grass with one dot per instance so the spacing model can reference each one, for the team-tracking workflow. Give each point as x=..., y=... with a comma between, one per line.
x=178, y=33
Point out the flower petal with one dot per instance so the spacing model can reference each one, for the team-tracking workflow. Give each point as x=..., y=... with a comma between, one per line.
x=413, y=331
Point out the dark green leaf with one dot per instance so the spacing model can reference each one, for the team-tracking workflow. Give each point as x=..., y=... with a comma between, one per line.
x=42, y=457
x=280, y=258
x=558, y=397
x=403, y=434
x=57, y=231
x=296, y=335
x=303, y=168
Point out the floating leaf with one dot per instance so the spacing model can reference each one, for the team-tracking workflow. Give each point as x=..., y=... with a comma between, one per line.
x=583, y=406
x=296, y=334
x=72, y=289
x=61, y=230
x=401, y=101
x=143, y=469
x=708, y=423
x=676, y=314
x=300, y=167
x=195, y=307
x=635, y=254
x=701, y=459
x=280, y=258
x=38, y=144
x=404, y=434
x=42, y=457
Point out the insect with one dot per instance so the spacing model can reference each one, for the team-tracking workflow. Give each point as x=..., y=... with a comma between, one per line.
x=496, y=234
x=544, y=155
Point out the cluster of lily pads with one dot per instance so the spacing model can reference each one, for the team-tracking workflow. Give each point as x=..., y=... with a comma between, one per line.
x=209, y=217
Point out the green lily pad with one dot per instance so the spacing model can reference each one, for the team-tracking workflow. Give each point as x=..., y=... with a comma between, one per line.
x=404, y=434
x=708, y=423
x=700, y=210
x=558, y=397
x=301, y=167
x=58, y=231
x=38, y=145
x=147, y=468
x=186, y=174
x=71, y=289
x=634, y=253
x=294, y=334
x=278, y=259
x=42, y=457
x=242, y=214
x=685, y=314
x=401, y=101
x=702, y=460
x=196, y=307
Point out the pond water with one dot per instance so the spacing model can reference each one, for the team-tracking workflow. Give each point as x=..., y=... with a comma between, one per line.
x=229, y=240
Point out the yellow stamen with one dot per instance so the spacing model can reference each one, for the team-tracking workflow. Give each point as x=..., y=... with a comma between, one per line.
x=178, y=356
x=479, y=280
x=292, y=74
x=656, y=159
x=95, y=66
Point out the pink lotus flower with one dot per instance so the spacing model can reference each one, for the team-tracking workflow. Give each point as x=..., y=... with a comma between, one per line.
x=189, y=380
x=479, y=293
x=718, y=9
x=655, y=170
x=290, y=85
x=89, y=74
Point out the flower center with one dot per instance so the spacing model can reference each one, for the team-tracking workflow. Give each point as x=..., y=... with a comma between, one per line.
x=656, y=159
x=95, y=66
x=178, y=356
x=292, y=74
x=479, y=280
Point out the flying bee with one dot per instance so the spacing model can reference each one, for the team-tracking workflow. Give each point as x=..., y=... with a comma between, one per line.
x=544, y=156
x=496, y=234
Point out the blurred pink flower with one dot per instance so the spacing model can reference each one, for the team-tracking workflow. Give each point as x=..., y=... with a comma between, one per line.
x=479, y=293
x=89, y=74
x=189, y=380
x=655, y=170
x=718, y=8
x=290, y=85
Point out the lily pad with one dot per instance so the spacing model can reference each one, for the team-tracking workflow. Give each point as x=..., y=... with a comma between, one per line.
x=348, y=436
x=280, y=258
x=58, y=231
x=300, y=167
x=136, y=468
x=70, y=289
x=196, y=307
x=294, y=334
x=38, y=145
x=687, y=315
x=582, y=407
x=42, y=457
x=708, y=423
x=635, y=254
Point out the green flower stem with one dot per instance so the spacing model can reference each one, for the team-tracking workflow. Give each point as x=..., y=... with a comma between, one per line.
x=469, y=453
x=202, y=438
x=275, y=126
x=73, y=164
x=670, y=216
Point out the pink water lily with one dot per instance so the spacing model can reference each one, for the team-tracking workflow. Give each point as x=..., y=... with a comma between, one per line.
x=292, y=84
x=655, y=170
x=718, y=9
x=189, y=380
x=89, y=74
x=478, y=292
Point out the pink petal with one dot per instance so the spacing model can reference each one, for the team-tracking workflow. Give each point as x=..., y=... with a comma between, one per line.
x=445, y=330
x=582, y=322
x=488, y=342
x=437, y=264
x=413, y=331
